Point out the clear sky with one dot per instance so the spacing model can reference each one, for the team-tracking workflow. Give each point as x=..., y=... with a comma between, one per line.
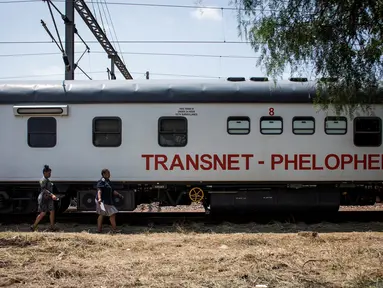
x=21, y=22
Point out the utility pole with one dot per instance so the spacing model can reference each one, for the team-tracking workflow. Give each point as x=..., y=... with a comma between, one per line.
x=70, y=31
x=69, y=39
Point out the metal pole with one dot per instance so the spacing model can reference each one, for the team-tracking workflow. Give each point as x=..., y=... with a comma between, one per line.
x=112, y=68
x=69, y=39
x=112, y=75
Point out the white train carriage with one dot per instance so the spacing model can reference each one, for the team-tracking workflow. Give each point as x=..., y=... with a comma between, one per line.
x=240, y=145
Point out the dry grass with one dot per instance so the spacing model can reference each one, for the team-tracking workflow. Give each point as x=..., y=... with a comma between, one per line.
x=376, y=207
x=193, y=256
x=195, y=207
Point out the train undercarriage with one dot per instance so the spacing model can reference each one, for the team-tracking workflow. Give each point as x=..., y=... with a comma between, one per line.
x=16, y=198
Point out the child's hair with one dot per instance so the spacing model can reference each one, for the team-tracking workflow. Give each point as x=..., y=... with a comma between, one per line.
x=46, y=168
x=104, y=171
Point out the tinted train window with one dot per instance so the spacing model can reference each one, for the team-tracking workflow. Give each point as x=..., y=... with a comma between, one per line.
x=335, y=125
x=272, y=125
x=172, y=131
x=42, y=132
x=238, y=125
x=107, y=131
x=303, y=125
x=367, y=131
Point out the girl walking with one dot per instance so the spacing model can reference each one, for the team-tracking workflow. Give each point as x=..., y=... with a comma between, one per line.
x=45, y=200
x=104, y=201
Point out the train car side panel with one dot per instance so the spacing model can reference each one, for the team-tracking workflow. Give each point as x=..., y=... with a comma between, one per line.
x=211, y=154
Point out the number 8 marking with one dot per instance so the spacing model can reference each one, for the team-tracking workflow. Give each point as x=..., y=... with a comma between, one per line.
x=271, y=111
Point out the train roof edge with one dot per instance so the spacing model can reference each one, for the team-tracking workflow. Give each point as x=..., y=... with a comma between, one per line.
x=156, y=91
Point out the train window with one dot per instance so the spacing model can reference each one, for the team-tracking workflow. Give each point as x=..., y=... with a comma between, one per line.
x=367, y=131
x=107, y=132
x=238, y=125
x=303, y=125
x=271, y=125
x=172, y=131
x=42, y=132
x=335, y=125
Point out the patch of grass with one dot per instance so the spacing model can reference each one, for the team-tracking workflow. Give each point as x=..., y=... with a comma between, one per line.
x=17, y=241
x=184, y=256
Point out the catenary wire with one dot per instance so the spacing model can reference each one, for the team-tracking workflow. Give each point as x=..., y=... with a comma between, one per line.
x=138, y=53
x=114, y=30
x=146, y=54
x=99, y=72
x=143, y=5
x=136, y=42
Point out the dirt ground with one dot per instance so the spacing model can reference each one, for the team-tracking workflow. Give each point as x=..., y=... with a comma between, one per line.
x=195, y=207
x=276, y=255
x=376, y=207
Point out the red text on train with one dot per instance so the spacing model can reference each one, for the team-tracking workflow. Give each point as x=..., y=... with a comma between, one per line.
x=197, y=162
x=330, y=162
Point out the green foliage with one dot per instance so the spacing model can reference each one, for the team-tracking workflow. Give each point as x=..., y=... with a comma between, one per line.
x=331, y=38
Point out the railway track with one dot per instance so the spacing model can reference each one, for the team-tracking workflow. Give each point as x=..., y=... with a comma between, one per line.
x=169, y=218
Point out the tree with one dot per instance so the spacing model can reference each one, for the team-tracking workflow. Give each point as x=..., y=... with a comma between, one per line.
x=337, y=39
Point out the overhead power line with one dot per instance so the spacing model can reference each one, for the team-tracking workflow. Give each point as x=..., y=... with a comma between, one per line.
x=147, y=54
x=143, y=5
x=99, y=72
x=114, y=31
x=137, y=42
x=139, y=53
